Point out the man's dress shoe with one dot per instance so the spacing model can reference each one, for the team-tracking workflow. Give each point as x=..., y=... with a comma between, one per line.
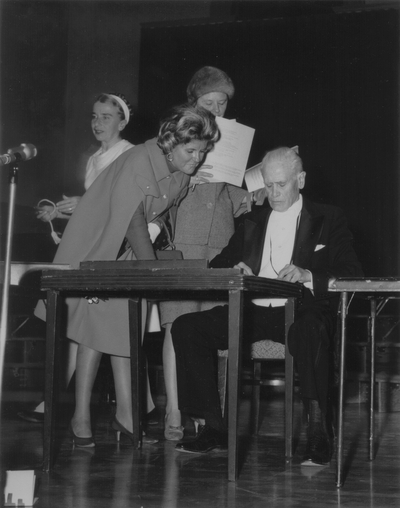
x=319, y=449
x=207, y=439
x=32, y=416
x=319, y=437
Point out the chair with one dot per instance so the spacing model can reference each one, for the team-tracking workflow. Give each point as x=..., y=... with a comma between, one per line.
x=264, y=350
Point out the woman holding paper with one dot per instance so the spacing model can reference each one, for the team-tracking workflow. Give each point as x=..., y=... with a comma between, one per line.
x=204, y=225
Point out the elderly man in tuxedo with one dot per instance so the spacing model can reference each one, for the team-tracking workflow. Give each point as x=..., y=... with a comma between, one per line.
x=294, y=240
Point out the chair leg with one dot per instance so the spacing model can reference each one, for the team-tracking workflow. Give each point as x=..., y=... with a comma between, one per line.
x=255, y=402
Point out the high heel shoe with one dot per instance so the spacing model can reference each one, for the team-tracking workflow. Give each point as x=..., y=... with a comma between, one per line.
x=197, y=424
x=120, y=429
x=171, y=432
x=82, y=442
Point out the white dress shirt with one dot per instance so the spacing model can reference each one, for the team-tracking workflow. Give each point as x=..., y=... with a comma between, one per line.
x=278, y=247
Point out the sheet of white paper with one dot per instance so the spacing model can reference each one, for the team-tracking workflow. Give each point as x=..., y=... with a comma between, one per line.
x=253, y=178
x=230, y=155
x=20, y=488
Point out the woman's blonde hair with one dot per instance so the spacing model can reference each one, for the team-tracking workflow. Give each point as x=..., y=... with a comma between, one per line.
x=185, y=123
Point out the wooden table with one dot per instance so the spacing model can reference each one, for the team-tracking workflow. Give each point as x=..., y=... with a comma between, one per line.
x=375, y=289
x=137, y=279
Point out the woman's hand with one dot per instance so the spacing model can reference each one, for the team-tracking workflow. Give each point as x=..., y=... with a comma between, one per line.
x=246, y=269
x=259, y=196
x=68, y=204
x=46, y=213
x=201, y=177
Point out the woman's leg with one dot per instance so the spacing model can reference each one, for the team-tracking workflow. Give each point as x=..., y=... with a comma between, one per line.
x=122, y=380
x=150, y=403
x=173, y=415
x=72, y=348
x=71, y=361
x=87, y=365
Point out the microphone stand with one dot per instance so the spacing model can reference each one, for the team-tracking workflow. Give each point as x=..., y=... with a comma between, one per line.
x=13, y=180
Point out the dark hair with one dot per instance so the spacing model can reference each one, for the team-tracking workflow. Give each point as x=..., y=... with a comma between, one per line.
x=185, y=123
x=106, y=97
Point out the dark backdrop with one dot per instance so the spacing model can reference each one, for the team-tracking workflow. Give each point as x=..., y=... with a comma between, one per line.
x=33, y=49
x=33, y=58
x=326, y=82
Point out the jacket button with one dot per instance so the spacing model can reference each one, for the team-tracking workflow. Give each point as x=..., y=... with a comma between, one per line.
x=209, y=205
x=165, y=196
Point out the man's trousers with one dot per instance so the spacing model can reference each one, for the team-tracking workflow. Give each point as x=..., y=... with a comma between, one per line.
x=198, y=336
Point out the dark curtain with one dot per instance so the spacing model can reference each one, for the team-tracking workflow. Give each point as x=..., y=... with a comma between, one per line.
x=33, y=53
x=33, y=56
x=328, y=83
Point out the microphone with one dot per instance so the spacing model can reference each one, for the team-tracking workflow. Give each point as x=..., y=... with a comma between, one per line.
x=23, y=152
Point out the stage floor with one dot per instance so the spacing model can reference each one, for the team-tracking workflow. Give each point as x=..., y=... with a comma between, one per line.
x=115, y=475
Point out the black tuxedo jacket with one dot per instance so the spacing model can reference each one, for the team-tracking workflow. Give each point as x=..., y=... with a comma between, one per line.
x=323, y=245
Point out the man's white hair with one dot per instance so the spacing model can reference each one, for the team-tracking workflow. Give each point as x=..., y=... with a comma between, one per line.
x=286, y=156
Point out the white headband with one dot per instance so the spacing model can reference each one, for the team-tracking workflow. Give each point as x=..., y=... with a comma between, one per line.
x=123, y=106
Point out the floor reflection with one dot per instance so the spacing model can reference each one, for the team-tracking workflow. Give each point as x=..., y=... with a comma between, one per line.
x=114, y=475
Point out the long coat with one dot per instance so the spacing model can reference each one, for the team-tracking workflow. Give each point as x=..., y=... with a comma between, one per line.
x=97, y=229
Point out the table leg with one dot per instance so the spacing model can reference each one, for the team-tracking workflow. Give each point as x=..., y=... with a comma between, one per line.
x=289, y=370
x=372, y=379
x=135, y=336
x=343, y=312
x=51, y=379
x=234, y=373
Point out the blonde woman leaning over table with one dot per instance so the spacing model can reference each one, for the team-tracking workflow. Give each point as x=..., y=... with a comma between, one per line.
x=205, y=222
x=137, y=188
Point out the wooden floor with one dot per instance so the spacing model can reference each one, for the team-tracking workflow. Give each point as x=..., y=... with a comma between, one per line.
x=117, y=476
